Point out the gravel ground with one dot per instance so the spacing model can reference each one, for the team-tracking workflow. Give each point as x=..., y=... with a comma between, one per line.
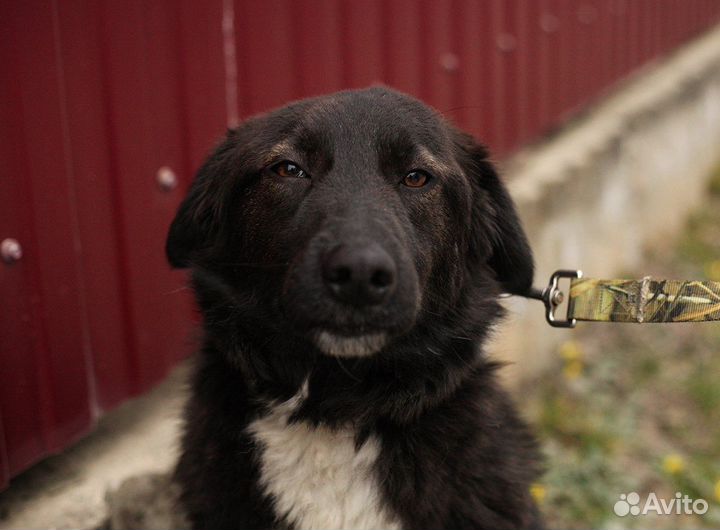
x=69, y=490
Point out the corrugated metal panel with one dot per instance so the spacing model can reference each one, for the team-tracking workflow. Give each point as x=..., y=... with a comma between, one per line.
x=44, y=388
x=99, y=96
x=506, y=70
x=102, y=95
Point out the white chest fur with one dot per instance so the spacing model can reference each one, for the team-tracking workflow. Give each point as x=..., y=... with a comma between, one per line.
x=317, y=478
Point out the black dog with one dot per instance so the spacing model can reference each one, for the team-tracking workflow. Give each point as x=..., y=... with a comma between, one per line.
x=347, y=253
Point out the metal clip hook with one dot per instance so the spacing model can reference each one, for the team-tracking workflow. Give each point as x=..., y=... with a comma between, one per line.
x=552, y=297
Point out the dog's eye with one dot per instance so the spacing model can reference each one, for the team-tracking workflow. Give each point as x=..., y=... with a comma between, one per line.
x=289, y=169
x=416, y=179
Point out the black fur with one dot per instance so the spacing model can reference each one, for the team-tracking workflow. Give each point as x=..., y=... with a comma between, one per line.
x=454, y=453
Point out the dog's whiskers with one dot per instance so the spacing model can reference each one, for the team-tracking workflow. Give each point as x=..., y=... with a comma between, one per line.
x=179, y=289
x=251, y=265
x=348, y=372
x=469, y=339
x=434, y=351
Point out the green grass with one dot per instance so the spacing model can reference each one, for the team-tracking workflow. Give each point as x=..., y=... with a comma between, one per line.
x=637, y=408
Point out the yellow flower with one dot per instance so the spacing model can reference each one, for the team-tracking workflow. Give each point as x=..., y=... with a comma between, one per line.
x=571, y=351
x=673, y=464
x=712, y=270
x=717, y=491
x=573, y=369
x=538, y=492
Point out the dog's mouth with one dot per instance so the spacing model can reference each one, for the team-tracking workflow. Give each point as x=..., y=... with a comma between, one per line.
x=350, y=300
x=342, y=345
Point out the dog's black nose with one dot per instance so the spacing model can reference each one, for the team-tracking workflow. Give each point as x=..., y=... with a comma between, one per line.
x=359, y=275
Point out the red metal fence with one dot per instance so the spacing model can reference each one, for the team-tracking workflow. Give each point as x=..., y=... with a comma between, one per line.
x=102, y=103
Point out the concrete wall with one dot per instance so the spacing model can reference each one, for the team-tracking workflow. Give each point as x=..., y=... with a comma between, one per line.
x=622, y=177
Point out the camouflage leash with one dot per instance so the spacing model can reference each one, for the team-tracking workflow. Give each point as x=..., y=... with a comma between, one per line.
x=641, y=301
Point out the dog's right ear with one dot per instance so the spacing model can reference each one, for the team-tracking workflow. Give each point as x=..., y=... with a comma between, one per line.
x=499, y=237
x=197, y=221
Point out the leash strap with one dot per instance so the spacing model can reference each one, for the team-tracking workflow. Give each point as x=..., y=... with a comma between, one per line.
x=641, y=301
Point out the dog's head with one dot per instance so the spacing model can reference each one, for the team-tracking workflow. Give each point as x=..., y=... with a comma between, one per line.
x=351, y=218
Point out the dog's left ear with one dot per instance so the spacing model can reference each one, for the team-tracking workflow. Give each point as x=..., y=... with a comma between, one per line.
x=498, y=237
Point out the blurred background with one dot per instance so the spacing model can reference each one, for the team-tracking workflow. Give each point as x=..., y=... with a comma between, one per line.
x=605, y=115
